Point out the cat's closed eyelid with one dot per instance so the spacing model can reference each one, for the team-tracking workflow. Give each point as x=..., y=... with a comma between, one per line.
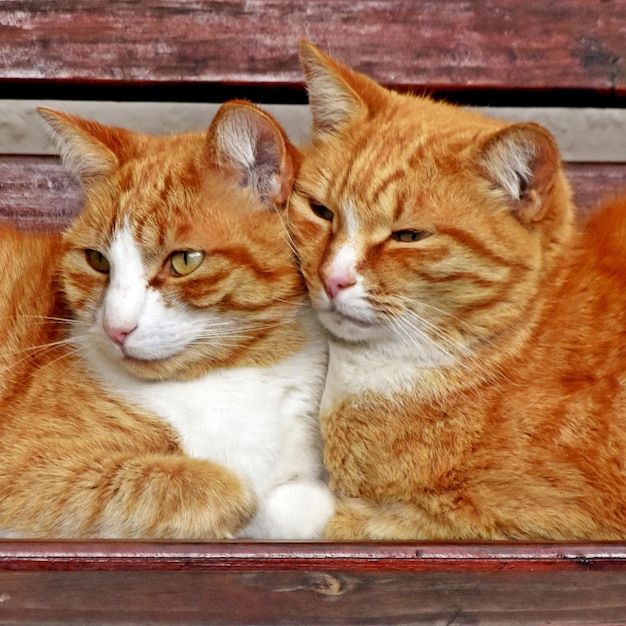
x=411, y=236
x=321, y=211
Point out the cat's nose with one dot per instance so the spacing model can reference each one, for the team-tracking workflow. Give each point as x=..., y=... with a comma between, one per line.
x=118, y=334
x=336, y=283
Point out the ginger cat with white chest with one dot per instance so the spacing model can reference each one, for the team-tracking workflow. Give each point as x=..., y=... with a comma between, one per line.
x=477, y=373
x=161, y=367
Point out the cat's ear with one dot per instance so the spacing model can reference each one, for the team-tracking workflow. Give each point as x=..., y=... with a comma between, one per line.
x=88, y=149
x=337, y=94
x=522, y=160
x=250, y=147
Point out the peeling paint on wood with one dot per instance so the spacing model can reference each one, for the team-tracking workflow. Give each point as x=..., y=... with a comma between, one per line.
x=574, y=44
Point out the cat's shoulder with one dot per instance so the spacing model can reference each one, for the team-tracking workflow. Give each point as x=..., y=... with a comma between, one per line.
x=604, y=233
x=29, y=262
x=14, y=238
x=608, y=221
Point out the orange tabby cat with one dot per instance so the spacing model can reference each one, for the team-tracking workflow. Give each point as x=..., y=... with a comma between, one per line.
x=160, y=370
x=477, y=375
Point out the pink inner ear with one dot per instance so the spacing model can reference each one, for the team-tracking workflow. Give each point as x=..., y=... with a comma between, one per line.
x=250, y=146
x=524, y=160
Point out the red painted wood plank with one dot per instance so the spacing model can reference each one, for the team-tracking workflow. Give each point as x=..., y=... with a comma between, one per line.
x=338, y=557
x=35, y=191
x=566, y=44
x=593, y=182
x=316, y=583
x=312, y=598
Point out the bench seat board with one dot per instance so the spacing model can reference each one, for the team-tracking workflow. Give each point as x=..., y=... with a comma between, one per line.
x=433, y=44
x=260, y=583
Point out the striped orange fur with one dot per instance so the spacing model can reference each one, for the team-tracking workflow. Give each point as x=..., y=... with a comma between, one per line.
x=117, y=420
x=477, y=374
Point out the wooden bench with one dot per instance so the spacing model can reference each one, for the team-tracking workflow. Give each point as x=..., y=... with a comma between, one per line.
x=565, y=56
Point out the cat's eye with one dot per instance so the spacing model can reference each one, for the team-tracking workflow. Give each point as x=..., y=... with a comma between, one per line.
x=321, y=211
x=97, y=261
x=184, y=262
x=410, y=236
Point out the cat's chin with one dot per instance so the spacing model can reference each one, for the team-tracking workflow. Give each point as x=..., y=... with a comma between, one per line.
x=177, y=366
x=164, y=369
x=349, y=328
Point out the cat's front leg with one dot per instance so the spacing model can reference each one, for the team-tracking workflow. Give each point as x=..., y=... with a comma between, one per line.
x=297, y=510
x=175, y=497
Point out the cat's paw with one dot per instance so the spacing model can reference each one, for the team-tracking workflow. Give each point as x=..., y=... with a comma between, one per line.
x=176, y=497
x=361, y=519
x=350, y=520
x=297, y=510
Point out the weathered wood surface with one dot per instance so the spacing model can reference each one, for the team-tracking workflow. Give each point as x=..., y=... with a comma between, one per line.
x=311, y=583
x=35, y=191
x=433, y=44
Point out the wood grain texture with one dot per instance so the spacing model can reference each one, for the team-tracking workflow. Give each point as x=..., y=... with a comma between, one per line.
x=256, y=583
x=434, y=44
x=36, y=193
x=312, y=598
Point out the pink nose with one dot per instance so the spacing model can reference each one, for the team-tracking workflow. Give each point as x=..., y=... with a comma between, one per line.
x=335, y=283
x=118, y=335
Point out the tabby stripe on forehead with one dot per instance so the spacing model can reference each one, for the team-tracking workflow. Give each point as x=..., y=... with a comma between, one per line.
x=399, y=204
x=341, y=182
x=165, y=187
x=139, y=225
x=368, y=165
x=383, y=186
x=416, y=157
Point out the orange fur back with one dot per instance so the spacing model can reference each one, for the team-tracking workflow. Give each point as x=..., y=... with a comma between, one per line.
x=477, y=375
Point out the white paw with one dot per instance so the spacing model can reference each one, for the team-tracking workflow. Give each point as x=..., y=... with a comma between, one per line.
x=297, y=510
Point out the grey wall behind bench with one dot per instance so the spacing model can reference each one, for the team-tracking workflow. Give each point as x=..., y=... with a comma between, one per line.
x=582, y=134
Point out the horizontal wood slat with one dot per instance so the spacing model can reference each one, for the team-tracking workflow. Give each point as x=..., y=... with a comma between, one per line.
x=303, y=597
x=256, y=583
x=35, y=191
x=436, y=44
x=22, y=555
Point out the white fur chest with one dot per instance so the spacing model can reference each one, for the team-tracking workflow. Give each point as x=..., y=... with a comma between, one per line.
x=384, y=368
x=259, y=422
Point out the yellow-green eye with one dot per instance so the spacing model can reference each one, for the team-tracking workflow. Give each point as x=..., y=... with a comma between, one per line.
x=410, y=236
x=321, y=211
x=184, y=262
x=97, y=261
